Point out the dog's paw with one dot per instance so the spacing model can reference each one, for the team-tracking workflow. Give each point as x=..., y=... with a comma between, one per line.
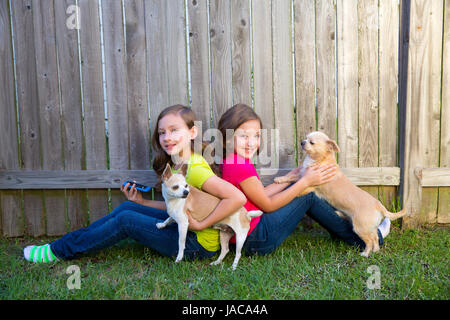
x=215, y=263
x=279, y=179
x=364, y=254
x=160, y=225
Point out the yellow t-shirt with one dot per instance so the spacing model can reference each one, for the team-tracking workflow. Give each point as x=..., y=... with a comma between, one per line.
x=197, y=173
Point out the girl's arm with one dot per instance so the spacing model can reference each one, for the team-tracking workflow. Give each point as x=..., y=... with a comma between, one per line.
x=232, y=200
x=275, y=188
x=254, y=189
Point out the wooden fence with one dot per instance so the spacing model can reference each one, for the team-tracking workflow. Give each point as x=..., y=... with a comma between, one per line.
x=82, y=82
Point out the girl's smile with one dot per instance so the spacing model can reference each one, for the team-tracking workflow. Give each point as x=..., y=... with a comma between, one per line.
x=247, y=139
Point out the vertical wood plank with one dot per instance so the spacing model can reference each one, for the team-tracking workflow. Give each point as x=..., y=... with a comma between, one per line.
x=368, y=86
x=220, y=48
x=49, y=110
x=137, y=86
x=262, y=77
x=444, y=192
x=94, y=113
x=116, y=90
x=240, y=24
x=326, y=68
x=347, y=26
x=156, y=30
x=71, y=110
x=422, y=109
x=388, y=85
x=11, y=222
x=304, y=17
x=199, y=60
x=27, y=95
x=282, y=81
x=176, y=52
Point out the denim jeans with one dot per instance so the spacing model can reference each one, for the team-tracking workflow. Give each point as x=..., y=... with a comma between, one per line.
x=129, y=220
x=275, y=227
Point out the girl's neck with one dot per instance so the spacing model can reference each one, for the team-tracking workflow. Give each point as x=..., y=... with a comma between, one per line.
x=181, y=158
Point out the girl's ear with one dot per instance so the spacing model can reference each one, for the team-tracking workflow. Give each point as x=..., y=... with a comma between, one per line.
x=167, y=173
x=194, y=132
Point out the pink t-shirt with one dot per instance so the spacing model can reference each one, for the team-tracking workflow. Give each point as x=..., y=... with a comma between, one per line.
x=236, y=169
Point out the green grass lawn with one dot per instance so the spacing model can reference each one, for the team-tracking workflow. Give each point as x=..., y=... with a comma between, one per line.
x=413, y=264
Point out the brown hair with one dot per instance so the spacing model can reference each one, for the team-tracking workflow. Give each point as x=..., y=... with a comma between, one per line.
x=233, y=118
x=161, y=158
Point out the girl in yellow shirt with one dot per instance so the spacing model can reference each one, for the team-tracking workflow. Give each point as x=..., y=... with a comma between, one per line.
x=137, y=218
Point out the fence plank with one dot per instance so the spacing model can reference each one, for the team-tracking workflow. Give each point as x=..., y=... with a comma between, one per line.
x=199, y=60
x=71, y=110
x=368, y=86
x=282, y=81
x=422, y=110
x=137, y=86
x=49, y=110
x=94, y=113
x=116, y=90
x=220, y=44
x=11, y=222
x=326, y=67
x=388, y=85
x=262, y=78
x=240, y=25
x=305, y=75
x=347, y=56
x=444, y=193
x=22, y=17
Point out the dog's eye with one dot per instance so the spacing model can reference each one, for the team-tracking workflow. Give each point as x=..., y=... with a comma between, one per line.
x=186, y=186
x=174, y=187
x=311, y=142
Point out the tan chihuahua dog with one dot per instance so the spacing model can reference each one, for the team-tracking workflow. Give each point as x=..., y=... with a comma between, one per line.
x=181, y=198
x=353, y=203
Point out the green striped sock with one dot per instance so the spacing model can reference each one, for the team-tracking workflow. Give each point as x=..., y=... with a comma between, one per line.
x=39, y=254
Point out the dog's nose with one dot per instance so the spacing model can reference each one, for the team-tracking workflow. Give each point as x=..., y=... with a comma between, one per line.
x=185, y=193
x=303, y=143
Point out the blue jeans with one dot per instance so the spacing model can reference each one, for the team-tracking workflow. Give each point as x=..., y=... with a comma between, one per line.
x=275, y=227
x=129, y=220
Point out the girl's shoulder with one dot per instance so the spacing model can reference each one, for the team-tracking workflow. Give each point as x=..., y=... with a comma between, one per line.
x=198, y=171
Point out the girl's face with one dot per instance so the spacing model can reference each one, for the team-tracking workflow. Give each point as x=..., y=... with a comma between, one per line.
x=175, y=136
x=247, y=138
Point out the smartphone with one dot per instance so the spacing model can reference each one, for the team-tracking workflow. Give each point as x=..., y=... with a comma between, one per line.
x=138, y=186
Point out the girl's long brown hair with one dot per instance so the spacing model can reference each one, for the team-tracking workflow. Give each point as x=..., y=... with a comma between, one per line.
x=233, y=118
x=161, y=158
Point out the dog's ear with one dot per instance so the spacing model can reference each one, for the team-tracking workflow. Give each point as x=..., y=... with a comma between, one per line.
x=183, y=169
x=333, y=146
x=167, y=173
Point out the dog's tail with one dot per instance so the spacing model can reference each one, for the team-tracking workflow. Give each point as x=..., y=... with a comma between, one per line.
x=392, y=215
x=253, y=214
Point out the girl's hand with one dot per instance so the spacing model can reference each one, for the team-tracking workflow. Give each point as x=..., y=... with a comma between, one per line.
x=316, y=175
x=133, y=194
x=194, y=225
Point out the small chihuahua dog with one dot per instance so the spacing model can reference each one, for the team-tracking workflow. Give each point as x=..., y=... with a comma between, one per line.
x=181, y=197
x=364, y=211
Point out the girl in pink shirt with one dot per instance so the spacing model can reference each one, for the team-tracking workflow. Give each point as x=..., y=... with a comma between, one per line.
x=283, y=209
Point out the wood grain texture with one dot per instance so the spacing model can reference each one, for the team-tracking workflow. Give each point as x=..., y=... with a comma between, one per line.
x=27, y=96
x=262, y=80
x=326, y=67
x=49, y=111
x=347, y=65
x=240, y=35
x=97, y=179
x=220, y=48
x=282, y=82
x=444, y=193
x=305, y=30
x=421, y=145
x=11, y=220
x=116, y=90
x=93, y=102
x=199, y=60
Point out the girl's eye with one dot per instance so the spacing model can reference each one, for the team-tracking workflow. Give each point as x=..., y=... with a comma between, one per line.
x=174, y=187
